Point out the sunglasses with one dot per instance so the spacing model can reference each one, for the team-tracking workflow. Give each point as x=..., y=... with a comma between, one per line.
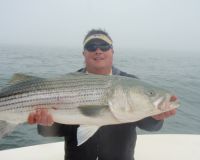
x=93, y=47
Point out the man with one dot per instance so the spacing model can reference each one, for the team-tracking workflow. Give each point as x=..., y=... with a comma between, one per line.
x=113, y=142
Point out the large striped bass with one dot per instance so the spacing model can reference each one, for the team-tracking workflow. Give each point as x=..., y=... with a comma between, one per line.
x=85, y=99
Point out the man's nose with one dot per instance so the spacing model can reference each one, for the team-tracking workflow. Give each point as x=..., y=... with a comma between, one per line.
x=98, y=51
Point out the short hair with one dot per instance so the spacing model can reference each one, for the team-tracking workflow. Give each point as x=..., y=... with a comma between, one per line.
x=97, y=31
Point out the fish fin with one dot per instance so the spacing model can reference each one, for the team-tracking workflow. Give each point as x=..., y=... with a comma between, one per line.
x=84, y=132
x=6, y=128
x=19, y=77
x=92, y=110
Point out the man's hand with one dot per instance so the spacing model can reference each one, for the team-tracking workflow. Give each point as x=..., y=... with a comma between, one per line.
x=164, y=115
x=40, y=116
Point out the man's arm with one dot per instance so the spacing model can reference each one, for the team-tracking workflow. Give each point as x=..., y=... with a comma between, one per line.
x=155, y=123
x=150, y=124
x=56, y=129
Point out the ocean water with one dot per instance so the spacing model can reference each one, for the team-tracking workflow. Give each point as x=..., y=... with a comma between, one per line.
x=175, y=71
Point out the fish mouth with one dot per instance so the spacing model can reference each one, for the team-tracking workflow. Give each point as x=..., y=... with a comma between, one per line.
x=166, y=103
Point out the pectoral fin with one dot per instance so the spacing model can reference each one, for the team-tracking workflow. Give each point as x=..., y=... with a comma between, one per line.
x=93, y=110
x=84, y=132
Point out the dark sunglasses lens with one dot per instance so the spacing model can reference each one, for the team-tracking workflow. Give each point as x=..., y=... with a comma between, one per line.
x=93, y=47
x=104, y=47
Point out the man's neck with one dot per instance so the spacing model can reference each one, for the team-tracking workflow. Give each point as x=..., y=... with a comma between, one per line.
x=100, y=71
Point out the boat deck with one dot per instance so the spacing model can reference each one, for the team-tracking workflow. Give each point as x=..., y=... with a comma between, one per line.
x=155, y=147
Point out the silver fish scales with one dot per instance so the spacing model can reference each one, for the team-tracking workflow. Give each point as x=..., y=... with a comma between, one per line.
x=70, y=90
x=84, y=99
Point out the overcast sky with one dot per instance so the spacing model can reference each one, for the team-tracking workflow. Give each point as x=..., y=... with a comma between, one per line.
x=147, y=24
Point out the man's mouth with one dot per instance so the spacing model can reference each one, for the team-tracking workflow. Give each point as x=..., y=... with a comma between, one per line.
x=98, y=58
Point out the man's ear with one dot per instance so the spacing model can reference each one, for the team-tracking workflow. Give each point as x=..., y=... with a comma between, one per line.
x=113, y=51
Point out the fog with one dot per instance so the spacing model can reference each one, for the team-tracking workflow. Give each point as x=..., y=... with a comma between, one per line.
x=136, y=24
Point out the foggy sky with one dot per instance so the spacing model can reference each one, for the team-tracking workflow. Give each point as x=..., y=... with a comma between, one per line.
x=147, y=24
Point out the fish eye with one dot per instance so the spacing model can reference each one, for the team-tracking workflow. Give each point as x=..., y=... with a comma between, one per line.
x=150, y=93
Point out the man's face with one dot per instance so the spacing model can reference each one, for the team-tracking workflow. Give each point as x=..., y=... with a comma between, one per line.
x=98, y=57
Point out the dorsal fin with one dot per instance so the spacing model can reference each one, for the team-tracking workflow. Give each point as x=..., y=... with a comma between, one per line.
x=19, y=77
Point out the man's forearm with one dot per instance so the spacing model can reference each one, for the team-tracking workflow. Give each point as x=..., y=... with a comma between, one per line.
x=54, y=130
x=150, y=124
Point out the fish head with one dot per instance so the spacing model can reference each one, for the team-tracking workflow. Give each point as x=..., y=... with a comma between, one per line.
x=137, y=100
x=152, y=99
